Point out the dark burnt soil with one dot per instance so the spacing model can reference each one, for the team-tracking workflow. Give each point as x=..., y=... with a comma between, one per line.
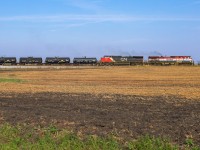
x=125, y=116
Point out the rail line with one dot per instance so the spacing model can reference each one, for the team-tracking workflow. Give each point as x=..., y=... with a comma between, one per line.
x=48, y=67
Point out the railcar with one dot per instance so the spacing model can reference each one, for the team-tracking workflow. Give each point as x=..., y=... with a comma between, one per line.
x=170, y=60
x=30, y=61
x=85, y=60
x=122, y=60
x=1, y=60
x=57, y=60
x=8, y=61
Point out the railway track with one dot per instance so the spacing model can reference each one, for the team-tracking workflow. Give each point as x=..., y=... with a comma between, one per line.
x=43, y=67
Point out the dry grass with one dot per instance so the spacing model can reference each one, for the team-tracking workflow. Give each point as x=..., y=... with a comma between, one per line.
x=143, y=80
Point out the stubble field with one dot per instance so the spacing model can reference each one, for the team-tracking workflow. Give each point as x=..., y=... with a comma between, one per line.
x=127, y=101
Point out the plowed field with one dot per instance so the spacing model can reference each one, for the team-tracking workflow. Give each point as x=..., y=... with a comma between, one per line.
x=127, y=101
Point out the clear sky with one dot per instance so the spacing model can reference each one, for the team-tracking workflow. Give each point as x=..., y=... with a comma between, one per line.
x=99, y=27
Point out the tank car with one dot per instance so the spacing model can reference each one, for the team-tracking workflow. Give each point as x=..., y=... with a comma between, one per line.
x=57, y=60
x=170, y=60
x=122, y=60
x=8, y=61
x=1, y=60
x=30, y=61
x=85, y=60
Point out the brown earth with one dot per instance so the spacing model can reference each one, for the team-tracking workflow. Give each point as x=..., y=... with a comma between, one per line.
x=124, y=116
x=129, y=101
x=143, y=80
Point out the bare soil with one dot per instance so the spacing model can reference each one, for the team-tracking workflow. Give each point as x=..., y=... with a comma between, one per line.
x=126, y=101
x=91, y=114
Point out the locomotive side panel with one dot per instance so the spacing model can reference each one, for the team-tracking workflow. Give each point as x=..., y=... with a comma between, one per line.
x=122, y=60
x=183, y=60
x=170, y=60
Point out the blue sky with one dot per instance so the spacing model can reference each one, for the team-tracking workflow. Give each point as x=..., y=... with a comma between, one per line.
x=99, y=27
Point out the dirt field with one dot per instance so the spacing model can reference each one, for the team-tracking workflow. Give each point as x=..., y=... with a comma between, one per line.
x=146, y=81
x=133, y=101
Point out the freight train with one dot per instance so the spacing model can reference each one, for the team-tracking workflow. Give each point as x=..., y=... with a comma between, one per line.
x=108, y=60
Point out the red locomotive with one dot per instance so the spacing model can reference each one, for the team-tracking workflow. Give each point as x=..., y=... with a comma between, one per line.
x=122, y=60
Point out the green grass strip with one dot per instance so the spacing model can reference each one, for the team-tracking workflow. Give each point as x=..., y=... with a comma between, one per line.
x=51, y=138
x=11, y=80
